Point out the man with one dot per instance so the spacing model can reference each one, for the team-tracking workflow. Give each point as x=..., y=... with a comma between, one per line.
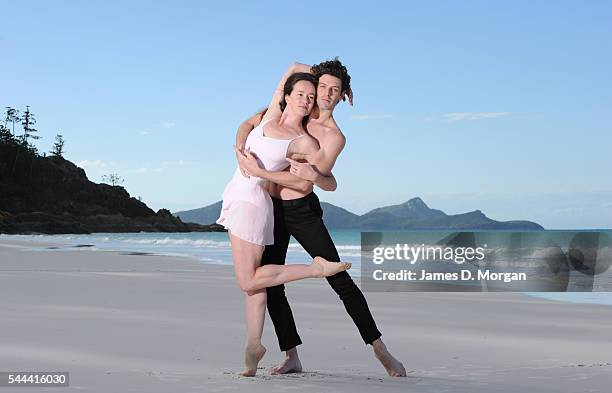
x=297, y=213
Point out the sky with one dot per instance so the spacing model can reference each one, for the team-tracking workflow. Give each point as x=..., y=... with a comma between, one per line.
x=499, y=106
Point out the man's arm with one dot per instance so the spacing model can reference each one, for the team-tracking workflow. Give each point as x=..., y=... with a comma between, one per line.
x=324, y=159
x=305, y=171
x=290, y=180
x=245, y=129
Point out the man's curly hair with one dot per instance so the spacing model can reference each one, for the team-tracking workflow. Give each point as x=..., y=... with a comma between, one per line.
x=334, y=68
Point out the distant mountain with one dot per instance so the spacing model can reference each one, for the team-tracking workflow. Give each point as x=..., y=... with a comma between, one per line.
x=413, y=214
x=414, y=208
x=339, y=218
x=208, y=214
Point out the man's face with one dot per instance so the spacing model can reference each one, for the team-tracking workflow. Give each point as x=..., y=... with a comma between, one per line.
x=328, y=92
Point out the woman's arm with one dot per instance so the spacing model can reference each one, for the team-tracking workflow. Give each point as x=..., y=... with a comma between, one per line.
x=274, y=107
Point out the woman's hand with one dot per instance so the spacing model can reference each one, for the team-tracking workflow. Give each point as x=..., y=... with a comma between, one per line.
x=239, y=154
x=247, y=162
x=303, y=170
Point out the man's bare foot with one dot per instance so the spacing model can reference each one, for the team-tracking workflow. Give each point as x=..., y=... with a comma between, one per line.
x=321, y=267
x=393, y=366
x=291, y=364
x=252, y=356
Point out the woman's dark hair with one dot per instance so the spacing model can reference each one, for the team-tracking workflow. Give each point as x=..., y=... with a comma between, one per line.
x=290, y=83
x=288, y=88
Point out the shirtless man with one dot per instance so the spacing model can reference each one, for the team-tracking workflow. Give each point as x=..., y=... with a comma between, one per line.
x=297, y=212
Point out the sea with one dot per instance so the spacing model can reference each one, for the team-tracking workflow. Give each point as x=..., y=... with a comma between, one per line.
x=214, y=248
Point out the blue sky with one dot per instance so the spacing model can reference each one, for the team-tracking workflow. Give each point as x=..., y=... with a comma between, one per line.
x=498, y=106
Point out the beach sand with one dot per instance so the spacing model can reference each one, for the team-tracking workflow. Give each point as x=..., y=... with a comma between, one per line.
x=145, y=323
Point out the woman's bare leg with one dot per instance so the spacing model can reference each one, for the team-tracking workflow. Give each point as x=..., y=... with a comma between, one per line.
x=271, y=275
x=255, y=314
x=247, y=257
x=253, y=279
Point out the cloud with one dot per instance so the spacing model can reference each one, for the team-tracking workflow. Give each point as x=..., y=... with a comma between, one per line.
x=95, y=164
x=370, y=117
x=575, y=210
x=163, y=126
x=461, y=116
x=143, y=170
x=179, y=163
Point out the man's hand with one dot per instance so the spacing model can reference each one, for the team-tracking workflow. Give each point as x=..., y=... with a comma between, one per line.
x=348, y=94
x=303, y=170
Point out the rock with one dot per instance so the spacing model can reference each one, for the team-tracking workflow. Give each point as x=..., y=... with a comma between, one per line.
x=52, y=195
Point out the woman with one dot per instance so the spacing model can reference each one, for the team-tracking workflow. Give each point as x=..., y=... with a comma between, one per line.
x=247, y=210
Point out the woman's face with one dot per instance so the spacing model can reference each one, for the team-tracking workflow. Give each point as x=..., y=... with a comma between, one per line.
x=302, y=98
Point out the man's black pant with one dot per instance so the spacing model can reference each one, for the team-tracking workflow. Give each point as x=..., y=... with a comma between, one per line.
x=303, y=219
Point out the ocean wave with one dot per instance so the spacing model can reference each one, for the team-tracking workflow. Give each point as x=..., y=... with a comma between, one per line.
x=338, y=247
x=349, y=254
x=182, y=242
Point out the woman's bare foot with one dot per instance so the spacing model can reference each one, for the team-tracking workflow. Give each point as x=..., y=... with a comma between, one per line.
x=323, y=268
x=252, y=356
x=291, y=364
x=393, y=366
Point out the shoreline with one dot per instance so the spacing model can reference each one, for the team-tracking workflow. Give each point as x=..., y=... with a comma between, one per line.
x=45, y=244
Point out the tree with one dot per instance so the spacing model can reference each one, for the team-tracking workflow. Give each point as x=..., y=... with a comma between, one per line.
x=27, y=122
x=5, y=134
x=58, y=146
x=113, y=179
x=12, y=116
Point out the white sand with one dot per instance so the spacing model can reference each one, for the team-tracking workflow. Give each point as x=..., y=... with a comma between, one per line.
x=125, y=323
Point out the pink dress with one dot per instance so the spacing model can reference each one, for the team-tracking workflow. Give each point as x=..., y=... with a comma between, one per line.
x=247, y=210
